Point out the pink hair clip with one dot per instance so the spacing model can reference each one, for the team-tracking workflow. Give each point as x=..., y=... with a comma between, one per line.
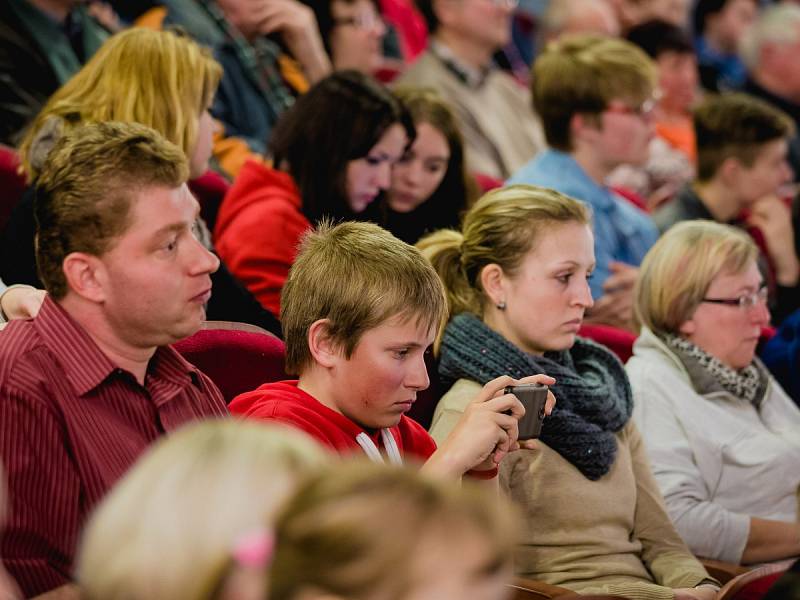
x=254, y=549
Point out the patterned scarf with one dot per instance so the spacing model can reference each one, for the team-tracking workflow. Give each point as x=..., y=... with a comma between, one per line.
x=592, y=390
x=709, y=374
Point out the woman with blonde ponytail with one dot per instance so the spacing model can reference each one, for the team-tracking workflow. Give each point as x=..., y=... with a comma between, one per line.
x=517, y=281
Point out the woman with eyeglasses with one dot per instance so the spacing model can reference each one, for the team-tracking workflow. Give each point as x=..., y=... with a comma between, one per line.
x=352, y=31
x=722, y=436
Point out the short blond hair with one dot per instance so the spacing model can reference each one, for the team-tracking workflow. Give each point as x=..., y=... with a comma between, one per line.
x=358, y=276
x=675, y=274
x=168, y=528
x=500, y=228
x=356, y=530
x=583, y=73
x=162, y=79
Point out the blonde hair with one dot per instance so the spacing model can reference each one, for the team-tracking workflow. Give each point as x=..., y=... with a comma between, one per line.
x=168, y=528
x=582, y=74
x=676, y=272
x=354, y=531
x=500, y=228
x=161, y=79
x=358, y=276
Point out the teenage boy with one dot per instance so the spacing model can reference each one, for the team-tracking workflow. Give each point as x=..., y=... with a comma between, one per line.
x=359, y=310
x=594, y=95
x=742, y=164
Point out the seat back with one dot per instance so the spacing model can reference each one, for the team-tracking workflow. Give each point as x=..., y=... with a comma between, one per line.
x=754, y=584
x=12, y=183
x=619, y=341
x=236, y=356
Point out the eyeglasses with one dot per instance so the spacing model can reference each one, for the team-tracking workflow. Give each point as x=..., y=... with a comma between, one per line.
x=644, y=110
x=366, y=21
x=744, y=301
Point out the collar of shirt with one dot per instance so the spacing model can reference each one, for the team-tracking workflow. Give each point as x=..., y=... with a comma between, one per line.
x=566, y=167
x=86, y=366
x=469, y=76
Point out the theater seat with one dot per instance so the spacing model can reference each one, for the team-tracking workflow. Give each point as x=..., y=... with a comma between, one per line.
x=754, y=584
x=236, y=356
x=619, y=341
x=12, y=183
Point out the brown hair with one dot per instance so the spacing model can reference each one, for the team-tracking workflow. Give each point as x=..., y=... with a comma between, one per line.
x=85, y=189
x=356, y=275
x=352, y=531
x=735, y=126
x=582, y=74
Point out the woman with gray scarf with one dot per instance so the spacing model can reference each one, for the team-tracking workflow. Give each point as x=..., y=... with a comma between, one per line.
x=516, y=277
x=722, y=436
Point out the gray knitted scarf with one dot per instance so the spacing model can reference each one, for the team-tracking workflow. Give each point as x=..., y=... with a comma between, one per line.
x=593, y=395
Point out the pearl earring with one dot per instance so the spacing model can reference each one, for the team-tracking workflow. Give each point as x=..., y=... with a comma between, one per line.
x=501, y=305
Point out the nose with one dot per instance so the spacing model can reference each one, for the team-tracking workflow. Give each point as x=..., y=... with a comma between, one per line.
x=383, y=175
x=759, y=314
x=583, y=296
x=788, y=172
x=202, y=262
x=411, y=173
x=417, y=377
x=379, y=28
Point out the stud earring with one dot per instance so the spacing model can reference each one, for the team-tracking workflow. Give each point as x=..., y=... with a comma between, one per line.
x=501, y=305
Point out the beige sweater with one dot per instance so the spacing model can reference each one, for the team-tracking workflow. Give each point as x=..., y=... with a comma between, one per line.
x=608, y=536
x=501, y=132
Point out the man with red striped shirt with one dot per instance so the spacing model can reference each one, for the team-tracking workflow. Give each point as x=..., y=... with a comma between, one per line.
x=89, y=383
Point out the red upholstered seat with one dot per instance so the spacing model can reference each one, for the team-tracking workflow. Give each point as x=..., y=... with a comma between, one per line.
x=619, y=341
x=12, y=183
x=487, y=183
x=237, y=357
x=754, y=584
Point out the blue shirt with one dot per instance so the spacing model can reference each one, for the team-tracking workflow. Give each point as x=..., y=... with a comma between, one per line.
x=622, y=232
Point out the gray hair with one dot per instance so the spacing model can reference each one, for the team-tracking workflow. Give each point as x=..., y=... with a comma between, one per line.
x=776, y=25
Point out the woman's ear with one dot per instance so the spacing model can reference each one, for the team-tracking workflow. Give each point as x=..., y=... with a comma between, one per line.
x=321, y=345
x=493, y=283
x=687, y=328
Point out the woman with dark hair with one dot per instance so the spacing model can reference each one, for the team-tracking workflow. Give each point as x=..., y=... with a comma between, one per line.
x=332, y=155
x=430, y=185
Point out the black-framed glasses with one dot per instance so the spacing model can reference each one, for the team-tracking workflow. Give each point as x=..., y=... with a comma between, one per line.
x=744, y=301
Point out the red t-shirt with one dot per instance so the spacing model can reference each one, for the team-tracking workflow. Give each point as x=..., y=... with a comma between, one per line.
x=284, y=402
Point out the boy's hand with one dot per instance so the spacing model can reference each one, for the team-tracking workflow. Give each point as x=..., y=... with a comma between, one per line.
x=487, y=430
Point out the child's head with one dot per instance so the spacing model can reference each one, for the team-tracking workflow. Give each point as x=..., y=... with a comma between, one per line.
x=173, y=526
x=743, y=141
x=366, y=531
x=362, y=306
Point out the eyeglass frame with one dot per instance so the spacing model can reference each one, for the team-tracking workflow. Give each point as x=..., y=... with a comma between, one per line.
x=745, y=301
x=644, y=110
x=361, y=21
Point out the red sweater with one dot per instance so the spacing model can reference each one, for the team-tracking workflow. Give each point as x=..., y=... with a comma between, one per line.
x=284, y=402
x=258, y=228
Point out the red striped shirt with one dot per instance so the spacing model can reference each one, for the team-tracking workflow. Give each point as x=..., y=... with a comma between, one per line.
x=71, y=423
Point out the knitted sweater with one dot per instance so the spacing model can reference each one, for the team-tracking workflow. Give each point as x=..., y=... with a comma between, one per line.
x=609, y=536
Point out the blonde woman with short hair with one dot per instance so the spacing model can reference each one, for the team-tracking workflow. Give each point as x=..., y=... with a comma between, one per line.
x=192, y=520
x=722, y=436
x=517, y=280
x=365, y=531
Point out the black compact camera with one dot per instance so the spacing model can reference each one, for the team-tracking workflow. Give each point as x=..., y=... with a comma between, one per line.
x=533, y=397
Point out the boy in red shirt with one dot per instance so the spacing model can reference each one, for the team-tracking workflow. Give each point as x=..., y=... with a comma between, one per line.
x=359, y=310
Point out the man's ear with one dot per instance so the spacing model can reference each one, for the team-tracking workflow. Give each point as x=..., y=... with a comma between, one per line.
x=730, y=171
x=323, y=348
x=86, y=276
x=493, y=283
